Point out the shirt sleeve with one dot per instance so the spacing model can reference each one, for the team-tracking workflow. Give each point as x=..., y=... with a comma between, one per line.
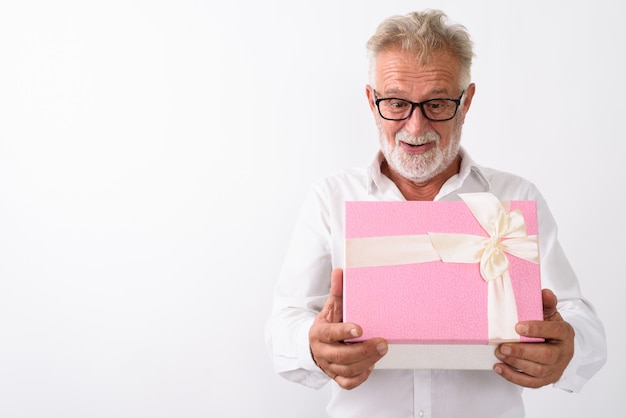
x=558, y=276
x=302, y=289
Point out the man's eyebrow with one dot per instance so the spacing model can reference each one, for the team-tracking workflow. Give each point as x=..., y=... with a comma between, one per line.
x=433, y=94
x=392, y=92
x=439, y=92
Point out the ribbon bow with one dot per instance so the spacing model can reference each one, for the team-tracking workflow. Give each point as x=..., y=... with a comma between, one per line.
x=507, y=234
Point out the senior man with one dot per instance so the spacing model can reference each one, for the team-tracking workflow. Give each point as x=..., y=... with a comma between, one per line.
x=420, y=92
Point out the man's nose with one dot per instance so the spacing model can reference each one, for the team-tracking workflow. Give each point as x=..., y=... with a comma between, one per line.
x=417, y=124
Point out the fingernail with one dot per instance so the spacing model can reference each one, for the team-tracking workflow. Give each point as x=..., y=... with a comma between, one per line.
x=506, y=350
x=522, y=329
x=498, y=369
x=382, y=348
x=354, y=332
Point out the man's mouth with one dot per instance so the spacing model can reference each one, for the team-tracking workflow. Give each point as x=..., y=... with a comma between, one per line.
x=417, y=146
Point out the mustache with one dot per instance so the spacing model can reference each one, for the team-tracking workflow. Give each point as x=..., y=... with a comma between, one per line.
x=404, y=136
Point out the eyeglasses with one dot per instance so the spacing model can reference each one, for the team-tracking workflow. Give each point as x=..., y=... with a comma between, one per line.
x=437, y=110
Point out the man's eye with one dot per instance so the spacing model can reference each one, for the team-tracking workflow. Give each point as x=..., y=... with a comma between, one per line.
x=399, y=104
x=434, y=105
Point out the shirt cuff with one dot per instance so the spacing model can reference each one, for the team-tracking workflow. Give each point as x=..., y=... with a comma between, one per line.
x=571, y=381
x=307, y=373
x=305, y=358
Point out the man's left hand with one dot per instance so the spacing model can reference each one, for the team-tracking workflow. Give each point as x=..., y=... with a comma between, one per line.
x=534, y=365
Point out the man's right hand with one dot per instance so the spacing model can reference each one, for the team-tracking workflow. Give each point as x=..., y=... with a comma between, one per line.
x=349, y=364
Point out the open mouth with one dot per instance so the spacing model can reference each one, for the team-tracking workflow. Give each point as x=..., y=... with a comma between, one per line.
x=416, y=147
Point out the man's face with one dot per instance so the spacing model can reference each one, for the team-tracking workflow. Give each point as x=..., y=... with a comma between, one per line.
x=416, y=148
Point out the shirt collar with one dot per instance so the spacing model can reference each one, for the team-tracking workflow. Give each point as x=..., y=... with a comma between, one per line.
x=375, y=176
x=378, y=181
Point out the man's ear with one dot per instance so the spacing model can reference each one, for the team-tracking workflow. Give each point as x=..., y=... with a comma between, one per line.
x=369, y=92
x=467, y=97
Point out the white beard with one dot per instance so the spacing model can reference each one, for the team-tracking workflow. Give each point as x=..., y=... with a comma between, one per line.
x=420, y=167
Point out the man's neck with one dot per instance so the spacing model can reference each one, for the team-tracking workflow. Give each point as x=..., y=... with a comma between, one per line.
x=421, y=191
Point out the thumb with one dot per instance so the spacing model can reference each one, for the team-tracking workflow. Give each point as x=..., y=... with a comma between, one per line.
x=333, y=309
x=549, y=304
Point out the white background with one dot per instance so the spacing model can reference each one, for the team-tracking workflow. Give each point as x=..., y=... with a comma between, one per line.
x=153, y=156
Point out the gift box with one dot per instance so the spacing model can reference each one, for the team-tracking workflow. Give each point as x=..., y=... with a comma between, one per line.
x=443, y=282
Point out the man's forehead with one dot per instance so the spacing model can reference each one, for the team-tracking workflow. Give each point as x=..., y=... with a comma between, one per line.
x=401, y=72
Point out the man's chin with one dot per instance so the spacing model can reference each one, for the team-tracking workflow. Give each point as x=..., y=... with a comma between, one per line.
x=416, y=176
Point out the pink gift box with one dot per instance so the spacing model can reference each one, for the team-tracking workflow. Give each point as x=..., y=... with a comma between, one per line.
x=443, y=282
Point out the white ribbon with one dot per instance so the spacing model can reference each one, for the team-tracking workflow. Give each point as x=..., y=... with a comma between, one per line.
x=507, y=234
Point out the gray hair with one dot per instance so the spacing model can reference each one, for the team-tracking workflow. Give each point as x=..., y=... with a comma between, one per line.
x=423, y=33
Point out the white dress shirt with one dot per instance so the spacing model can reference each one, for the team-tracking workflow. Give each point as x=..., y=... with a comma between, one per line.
x=317, y=247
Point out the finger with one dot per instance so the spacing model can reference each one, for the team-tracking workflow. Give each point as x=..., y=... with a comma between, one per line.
x=352, y=382
x=519, y=355
x=354, y=355
x=327, y=333
x=553, y=330
x=351, y=360
x=535, y=360
x=519, y=377
x=350, y=370
x=359, y=356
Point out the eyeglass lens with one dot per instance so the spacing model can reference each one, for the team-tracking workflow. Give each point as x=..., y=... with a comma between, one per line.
x=398, y=109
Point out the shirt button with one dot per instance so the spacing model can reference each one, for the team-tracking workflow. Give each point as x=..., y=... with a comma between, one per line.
x=422, y=414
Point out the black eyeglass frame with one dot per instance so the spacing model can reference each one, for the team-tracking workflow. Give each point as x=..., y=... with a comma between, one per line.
x=418, y=104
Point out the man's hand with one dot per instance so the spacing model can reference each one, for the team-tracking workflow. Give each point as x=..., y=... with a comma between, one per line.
x=535, y=365
x=349, y=364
